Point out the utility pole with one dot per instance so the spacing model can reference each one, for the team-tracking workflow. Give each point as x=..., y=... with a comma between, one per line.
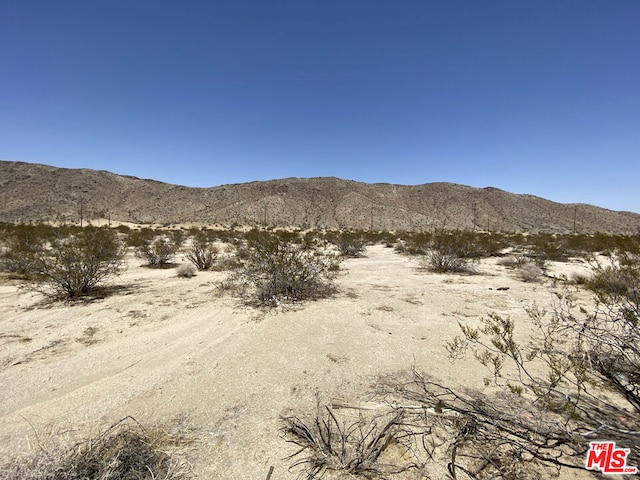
x=371, y=223
x=81, y=210
x=265, y=216
x=575, y=211
x=474, y=220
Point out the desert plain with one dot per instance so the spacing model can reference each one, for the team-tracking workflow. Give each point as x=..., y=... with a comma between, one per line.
x=181, y=353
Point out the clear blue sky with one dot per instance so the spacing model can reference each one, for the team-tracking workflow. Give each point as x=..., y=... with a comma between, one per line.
x=539, y=97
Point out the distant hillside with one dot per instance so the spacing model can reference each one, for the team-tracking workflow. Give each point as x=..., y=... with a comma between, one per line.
x=31, y=192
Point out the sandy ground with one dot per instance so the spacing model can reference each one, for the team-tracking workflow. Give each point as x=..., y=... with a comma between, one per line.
x=167, y=349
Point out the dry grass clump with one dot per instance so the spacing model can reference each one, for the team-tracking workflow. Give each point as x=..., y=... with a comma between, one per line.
x=357, y=447
x=441, y=262
x=529, y=272
x=186, y=271
x=527, y=269
x=125, y=451
x=513, y=261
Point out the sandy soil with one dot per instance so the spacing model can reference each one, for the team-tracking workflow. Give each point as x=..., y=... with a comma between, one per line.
x=167, y=349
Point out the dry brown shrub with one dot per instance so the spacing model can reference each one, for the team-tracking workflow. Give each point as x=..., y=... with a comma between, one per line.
x=186, y=271
x=124, y=451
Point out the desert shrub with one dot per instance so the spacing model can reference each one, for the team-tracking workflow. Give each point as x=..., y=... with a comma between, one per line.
x=204, y=234
x=125, y=451
x=441, y=262
x=202, y=255
x=228, y=236
x=576, y=380
x=124, y=229
x=471, y=435
x=177, y=237
x=414, y=244
x=548, y=247
x=74, y=265
x=613, y=280
x=529, y=272
x=610, y=244
x=460, y=244
x=490, y=244
x=455, y=244
x=526, y=268
x=350, y=244
x=326, y=444
x=285, y=271
x=227, y=263
x=288, y=236
x=513, y=261
x=157, y=253
x=140, y=238
x=186, y=270
x=22, y=246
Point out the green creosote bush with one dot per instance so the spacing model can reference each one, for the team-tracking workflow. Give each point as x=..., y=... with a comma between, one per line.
x=139, y=238
x=73, y=265
x=413, y=243
x=350, y=244
x=280, y=271
x=177, y=237
x=21, y=247
x=202, y=254
x=453, y=243
x=619, y=278
x=157, y=253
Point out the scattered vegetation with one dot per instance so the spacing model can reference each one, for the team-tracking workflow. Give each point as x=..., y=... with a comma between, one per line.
x=575, y=381
x=613, y=276
x=589, y=387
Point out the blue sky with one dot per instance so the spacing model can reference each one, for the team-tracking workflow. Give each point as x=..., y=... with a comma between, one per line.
x=539, y=97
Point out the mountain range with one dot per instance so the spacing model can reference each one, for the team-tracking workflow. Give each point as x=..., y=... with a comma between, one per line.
x=32, y=192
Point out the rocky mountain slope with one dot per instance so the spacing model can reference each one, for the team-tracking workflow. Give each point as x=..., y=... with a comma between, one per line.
x=32, y=192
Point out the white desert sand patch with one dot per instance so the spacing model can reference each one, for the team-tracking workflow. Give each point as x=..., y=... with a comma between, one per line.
x=168, y=349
